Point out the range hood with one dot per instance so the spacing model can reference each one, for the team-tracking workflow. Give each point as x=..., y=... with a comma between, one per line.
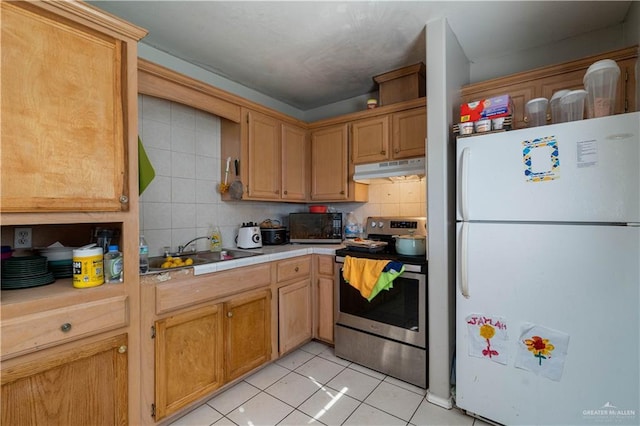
x=395, y=170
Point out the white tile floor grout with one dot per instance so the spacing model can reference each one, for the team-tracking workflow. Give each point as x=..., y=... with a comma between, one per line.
x=311, y=386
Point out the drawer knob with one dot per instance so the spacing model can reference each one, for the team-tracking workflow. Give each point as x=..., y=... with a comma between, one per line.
x=122, y=349
x=297, y=269
x=229, y=314
x=66, y=327
x=124, y=199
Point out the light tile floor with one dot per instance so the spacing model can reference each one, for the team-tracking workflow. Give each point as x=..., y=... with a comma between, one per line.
x=311, y=386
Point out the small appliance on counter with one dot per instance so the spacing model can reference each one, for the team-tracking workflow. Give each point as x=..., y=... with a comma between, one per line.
x=315, y=228
x=272, y=232
x=249, y=236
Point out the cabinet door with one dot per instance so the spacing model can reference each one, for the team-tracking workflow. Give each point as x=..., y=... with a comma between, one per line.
x=247, y=330
x=189, y=353
x=294, y=315
x=329, y=164
x=62, y=131
x=370, y=140
x=325, y=308
x=626, y=94
x=295, y=163
x=263, y=142
x=86, y=385
x=409, y=133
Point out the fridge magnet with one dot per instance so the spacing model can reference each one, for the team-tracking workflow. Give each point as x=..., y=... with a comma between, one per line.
x=542, y=351
x=487, y=337
x=541, y=159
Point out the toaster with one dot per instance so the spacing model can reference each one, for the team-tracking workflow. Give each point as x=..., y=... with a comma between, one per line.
x=249, y=236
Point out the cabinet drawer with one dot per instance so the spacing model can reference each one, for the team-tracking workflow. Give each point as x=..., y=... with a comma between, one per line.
x=36, y=331
x=298, y=267
x=325, y=265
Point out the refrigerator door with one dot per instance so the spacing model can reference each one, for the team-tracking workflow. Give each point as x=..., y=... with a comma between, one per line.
x=579, y=282
x=582, y=171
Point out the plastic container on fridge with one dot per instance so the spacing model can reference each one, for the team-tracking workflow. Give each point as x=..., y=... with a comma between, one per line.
x=601, y=81
x=536, y=110
x=554, y=104
x=572, y=105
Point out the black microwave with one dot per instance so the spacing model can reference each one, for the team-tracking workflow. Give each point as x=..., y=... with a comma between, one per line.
x=315, y=228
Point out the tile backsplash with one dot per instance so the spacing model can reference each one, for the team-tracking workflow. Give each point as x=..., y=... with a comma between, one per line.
x=183, y=145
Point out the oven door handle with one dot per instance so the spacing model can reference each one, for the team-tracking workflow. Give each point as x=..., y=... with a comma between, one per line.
x=464, y=261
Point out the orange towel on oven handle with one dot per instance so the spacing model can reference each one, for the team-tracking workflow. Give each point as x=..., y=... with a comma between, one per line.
x=362, y=273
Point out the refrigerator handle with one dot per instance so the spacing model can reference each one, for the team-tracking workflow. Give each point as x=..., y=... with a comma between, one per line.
x=464, y=178
x=464, y=274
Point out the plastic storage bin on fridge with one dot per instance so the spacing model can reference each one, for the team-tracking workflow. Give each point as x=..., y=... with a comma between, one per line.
x=601, y=81
x=572, y=105
x=536, y=110
x=554, y=104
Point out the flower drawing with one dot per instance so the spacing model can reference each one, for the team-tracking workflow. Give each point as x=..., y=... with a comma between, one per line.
x=487, y=332
x=539, y=347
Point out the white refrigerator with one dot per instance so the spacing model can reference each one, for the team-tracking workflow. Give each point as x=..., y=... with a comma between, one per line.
x=548, y=274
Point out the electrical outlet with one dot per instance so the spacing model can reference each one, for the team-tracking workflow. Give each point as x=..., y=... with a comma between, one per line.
x=22, y=238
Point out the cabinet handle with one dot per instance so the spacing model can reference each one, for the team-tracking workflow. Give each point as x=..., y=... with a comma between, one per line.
x=296, y=269
x=124, y=199
x=383, y=152
x=548, y=117
x=278, y=191
x=525, y=119
x=229, y=314
x=286, y=192
x=342, y=192
x=396, y=150
x=122, y=349
x=66, y=327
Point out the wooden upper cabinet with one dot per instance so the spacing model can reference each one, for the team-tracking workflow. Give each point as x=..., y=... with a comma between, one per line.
x=544, y=82
x=390, y=136
x=66, y=91
x=370, y=140
x=409, y=133
x=274, y=159
x=330, y=163
x=295, y=163
x=262, y=168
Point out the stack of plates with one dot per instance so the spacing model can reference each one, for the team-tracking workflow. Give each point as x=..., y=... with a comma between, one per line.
x=25, y=272
x=61, y=268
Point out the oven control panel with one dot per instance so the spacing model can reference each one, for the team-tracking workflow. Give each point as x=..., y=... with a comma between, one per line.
x=396, y=225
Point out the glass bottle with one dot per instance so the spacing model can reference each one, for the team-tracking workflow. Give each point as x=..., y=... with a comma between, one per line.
x=113, y=262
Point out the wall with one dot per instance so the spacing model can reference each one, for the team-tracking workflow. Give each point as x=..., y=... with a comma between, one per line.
x=183, y=145
x=448, y=69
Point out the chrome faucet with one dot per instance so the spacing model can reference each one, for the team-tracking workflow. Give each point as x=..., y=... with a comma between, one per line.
x=181, y=248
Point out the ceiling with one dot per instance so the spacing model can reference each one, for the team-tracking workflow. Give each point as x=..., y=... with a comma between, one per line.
x=313, y=53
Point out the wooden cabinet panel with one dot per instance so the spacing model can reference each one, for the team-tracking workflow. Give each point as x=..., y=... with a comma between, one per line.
x=294, y=315
x=64, y=146
x=324, y=282
x=189, y=358
x=263, y=165
x=370, y=140
x=296, y=268
x=330, y=163
x=247, y=331
x=86, y=385
x=520, y=94
x=409, y=133
x=36, y=331
x=295, y=163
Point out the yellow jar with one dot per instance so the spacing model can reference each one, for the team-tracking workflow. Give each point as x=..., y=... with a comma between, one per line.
x=88, y=267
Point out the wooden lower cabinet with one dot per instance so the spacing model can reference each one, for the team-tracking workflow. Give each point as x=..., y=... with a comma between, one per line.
x=189, y=358
x=247, y=333
x=324, y=294
x=199, y=350
x=86, y=385
x=294, y=315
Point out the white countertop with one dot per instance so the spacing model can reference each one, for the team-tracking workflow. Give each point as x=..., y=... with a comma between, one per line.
x=267, y=254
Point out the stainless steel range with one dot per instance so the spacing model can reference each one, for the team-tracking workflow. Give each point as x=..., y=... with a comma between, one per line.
x=388, y=334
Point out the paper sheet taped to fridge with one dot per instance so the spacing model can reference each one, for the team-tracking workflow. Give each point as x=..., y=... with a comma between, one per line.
x=487, y=337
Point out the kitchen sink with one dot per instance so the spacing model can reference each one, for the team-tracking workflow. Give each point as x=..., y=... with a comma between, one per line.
x=199, y=258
